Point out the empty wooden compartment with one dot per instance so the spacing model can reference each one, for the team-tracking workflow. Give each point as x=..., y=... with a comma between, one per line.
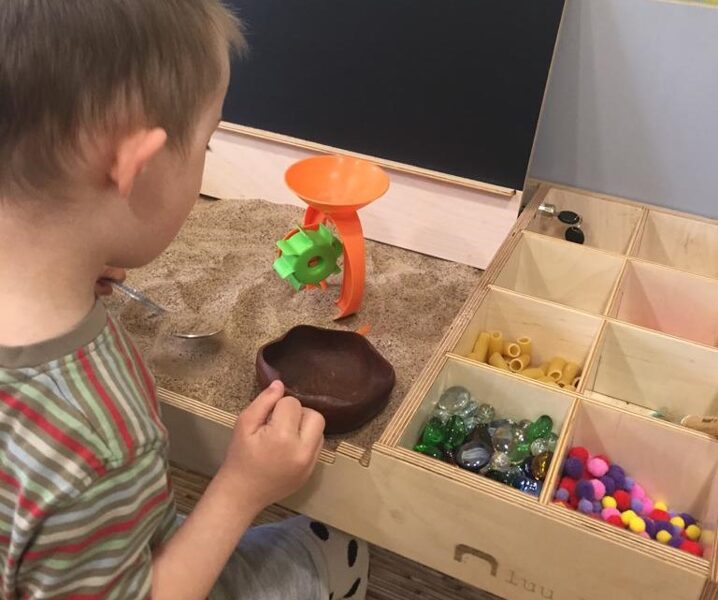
x=553, y=331
x=568, y=274
x=672, y=464
x=680, y=242
x=667, y=300
x=607, y=224
x=671, y=376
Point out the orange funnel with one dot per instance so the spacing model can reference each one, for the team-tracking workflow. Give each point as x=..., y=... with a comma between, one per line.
x=336, y=187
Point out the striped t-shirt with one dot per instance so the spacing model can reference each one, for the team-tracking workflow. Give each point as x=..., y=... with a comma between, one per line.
x=84, y=492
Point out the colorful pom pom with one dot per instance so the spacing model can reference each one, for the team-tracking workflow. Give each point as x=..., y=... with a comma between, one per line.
x=599, y=490
x=678, y=522
x=628, y=483
x=609, y=484
x=584, y=489
x=636, y=506
x=615, y=520
x=661, y=506
x=568, y=484
x=609, y=512
x=688, y=519
x=638, y=492
x=627, y=516
x=597, y=467
x=573, y=468
x=693, y=532
x=692, y=547
x=623, y=500
x=579, y=453
x=608, y=502
x=562, y=495
x=647, y=506
x=651, y=527
x=618, y=475
x=637, y=525
x=585, y=506
x=676, y=541
x=663, y=537
x=604, y=458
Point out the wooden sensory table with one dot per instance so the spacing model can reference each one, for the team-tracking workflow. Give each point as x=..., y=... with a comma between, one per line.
x=636, y=306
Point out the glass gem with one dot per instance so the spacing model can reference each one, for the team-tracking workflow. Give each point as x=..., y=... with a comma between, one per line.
x=539, y=446
x=519, y=435
x=540, y=465
x=526, y=466
x=524, y=423
x=500, y=476
x=494, y=425
x=519, y=453
x=503, y=438
x=481, y=434
x=470, y=410
x=429, y=450
x=485, y=413
x=500, y=462
x=455, y=432
x=442, y=415
x=530, y=486
x=473, y=456
x=448, y=456
x=552, y=442
x=434, y=432
x=470, y=423
x=540, y=428
x=454, y=399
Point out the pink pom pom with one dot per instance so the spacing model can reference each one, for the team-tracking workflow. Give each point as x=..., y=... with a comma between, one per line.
x=597, y=467
x=607, y=513
x=647, y=506
x=638, y=492
x=599, y=490
x=645, y=535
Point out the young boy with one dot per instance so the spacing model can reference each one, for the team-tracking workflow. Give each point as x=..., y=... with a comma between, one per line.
x=106, y=108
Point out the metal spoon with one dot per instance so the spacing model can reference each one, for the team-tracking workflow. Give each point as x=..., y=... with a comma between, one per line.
x=200, y=328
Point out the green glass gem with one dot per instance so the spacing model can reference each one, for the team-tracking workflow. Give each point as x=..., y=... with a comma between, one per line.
x=455, y=432
x=520, y=452
x=429, y=450
x=434, y=432
x=552, y=442
x=540, y=428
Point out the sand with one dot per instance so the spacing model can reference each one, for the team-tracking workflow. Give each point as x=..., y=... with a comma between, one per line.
x=220, y=269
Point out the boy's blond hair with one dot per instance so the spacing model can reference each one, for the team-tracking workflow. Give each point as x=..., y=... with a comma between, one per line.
x=74, y=70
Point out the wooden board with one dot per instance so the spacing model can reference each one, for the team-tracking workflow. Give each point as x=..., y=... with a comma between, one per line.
x=495, y=537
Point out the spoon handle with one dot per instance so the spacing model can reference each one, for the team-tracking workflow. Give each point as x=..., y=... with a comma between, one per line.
x=139, y=297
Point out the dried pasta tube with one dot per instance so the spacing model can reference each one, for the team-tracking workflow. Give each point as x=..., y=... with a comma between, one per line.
x=525, y=344
x=496, y=360
x=474, y=357
x=481, y=347
x=569, y=388
x=569, y=373
x=549, y=380
x=544, y=368
x=533, y=373
x=496, y=342
x=576, y=382
x=520, y=363
x=511, y=349
x=555, y=368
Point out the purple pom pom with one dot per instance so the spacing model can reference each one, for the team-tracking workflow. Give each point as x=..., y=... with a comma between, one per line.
x=664, y=526
x=636, y=506
x=676, y=541
x=651, y=527
x=584, y=489
x=688, y=519
x=562, y=495
x=597, y=507
x=609, y=484
x=628, y=483
x=618, y=475
x=573, y=468
x=585, y=506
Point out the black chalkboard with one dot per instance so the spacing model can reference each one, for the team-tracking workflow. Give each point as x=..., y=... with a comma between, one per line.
x=454, y=86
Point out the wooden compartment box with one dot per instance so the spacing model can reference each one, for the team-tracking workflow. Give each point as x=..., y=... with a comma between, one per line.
x=635, y=306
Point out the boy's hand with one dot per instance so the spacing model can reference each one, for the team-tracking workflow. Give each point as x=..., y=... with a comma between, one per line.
x=103, y=286
x=274, y=448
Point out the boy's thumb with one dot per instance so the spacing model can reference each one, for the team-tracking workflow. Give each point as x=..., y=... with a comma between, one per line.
x=257, y=413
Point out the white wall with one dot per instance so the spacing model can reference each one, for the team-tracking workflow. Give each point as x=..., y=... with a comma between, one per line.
x=632, y=104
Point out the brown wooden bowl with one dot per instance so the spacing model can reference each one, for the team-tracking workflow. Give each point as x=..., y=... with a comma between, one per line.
x=337, y=373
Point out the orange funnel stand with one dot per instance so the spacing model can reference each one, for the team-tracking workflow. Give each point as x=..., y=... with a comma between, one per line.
x=335, y=188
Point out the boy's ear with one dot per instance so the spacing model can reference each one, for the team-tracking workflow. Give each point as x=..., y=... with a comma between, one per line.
x=133, y=153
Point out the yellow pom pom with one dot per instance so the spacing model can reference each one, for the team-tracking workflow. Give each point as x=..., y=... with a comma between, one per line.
x=637, y=525
x=661, y=506
x=627, y=516
x=693, y=532
x=663, y=536
x=678, y=522
x=609, y=502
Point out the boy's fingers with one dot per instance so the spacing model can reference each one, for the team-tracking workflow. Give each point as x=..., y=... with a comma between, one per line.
x=257, y=413
x=312, y=426
x=287, y=415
